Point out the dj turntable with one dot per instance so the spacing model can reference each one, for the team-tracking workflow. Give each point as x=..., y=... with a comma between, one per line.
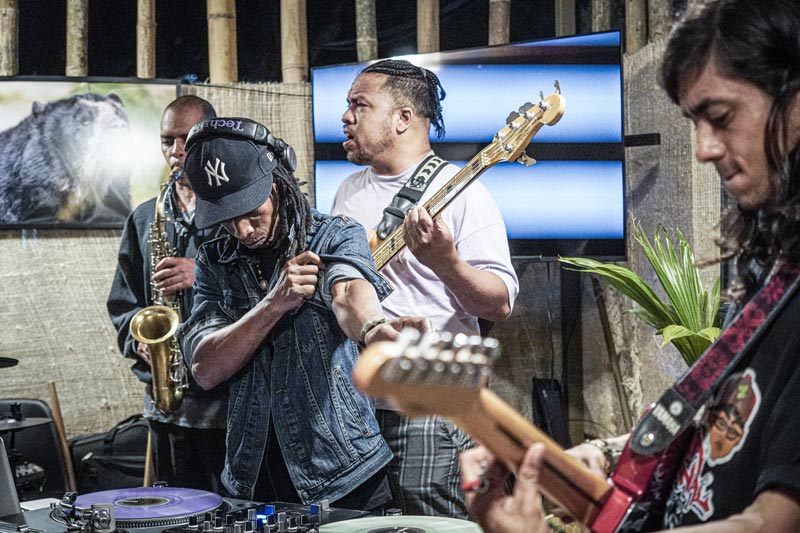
x=171, y=510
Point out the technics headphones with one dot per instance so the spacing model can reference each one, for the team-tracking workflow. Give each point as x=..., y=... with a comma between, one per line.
x=243, y=128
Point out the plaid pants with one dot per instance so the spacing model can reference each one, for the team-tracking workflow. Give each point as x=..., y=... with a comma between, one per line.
x=424, y=475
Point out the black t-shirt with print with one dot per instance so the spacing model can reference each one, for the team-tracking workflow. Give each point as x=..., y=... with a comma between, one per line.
x=750, y=441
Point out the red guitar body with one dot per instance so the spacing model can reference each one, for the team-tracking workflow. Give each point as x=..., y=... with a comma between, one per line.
x=642, y=485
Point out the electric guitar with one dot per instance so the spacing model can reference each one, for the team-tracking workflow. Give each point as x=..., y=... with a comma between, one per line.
x=509, y=144
x=440, y=374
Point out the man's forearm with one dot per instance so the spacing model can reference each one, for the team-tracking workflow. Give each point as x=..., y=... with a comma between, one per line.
x=481, y=293
x=354, y=304
x=224, y=352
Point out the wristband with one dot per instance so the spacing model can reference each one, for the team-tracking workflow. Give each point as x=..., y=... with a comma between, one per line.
x=366, y=328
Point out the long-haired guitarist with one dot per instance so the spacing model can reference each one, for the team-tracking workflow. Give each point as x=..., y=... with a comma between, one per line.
x=734, y=70
x=456, y=267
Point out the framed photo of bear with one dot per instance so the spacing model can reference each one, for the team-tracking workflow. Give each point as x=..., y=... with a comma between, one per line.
x=79, y=153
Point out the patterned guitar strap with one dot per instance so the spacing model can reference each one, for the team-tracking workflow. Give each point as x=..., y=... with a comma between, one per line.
x=657, y=445
x=408, y=196
x=676, y=409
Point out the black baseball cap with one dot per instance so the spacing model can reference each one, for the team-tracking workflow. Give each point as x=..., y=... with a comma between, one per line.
x=229, y=169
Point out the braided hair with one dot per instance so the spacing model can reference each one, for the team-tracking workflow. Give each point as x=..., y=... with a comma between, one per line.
x=413, y=86
x=293, y=211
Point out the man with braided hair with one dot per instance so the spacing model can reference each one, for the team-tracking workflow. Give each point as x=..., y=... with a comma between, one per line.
x=278, y=304
x=456, y=269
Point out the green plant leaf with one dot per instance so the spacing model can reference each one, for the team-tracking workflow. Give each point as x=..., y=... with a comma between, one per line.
x=690, y=318
x=674, y=331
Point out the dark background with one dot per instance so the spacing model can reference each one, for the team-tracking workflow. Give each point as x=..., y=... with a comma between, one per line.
x=182, y=42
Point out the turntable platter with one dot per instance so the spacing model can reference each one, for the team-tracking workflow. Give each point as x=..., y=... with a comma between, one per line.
x=147, y=506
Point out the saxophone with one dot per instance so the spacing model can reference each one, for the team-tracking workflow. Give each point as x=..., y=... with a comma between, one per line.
x=156, y=325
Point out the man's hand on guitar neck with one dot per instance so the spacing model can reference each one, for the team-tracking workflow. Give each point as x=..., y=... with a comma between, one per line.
x=494, y=509
x=480, y=292
x=429, y=239
x=522, y=511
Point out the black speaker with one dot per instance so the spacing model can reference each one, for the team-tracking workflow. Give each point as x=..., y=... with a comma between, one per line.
x=548, y=410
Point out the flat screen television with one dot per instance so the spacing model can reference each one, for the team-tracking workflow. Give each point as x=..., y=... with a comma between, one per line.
x=79, y=152
x=572, y=202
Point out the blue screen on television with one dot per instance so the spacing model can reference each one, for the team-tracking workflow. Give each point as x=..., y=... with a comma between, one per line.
x=572, y=202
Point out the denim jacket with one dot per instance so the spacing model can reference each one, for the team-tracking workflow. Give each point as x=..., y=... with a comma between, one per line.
x=302, y=373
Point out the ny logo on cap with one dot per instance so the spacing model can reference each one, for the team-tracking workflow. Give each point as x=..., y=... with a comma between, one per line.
x=216, y=171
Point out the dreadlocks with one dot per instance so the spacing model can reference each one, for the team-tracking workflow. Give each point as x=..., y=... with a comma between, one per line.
x=293, y=210
x=413, y=86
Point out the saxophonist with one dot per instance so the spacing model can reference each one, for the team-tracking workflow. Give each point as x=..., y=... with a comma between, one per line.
x=189, y=442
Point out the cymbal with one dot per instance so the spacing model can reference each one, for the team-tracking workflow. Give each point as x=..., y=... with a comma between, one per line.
x=6, y=362
x=12, y=424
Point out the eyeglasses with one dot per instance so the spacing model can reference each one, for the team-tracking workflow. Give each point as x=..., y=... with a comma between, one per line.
x=732, y=433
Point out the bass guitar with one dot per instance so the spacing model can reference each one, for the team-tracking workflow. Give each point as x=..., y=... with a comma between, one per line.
x=444, y=375
x=509, y=144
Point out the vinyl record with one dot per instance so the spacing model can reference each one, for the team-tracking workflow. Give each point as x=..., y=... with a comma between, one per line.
x=407, y=524
x=153, y=503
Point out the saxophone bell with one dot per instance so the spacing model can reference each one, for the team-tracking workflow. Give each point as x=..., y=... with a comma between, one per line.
x=155, y=326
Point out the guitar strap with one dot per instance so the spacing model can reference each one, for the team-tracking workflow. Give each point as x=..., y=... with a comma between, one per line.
x=408, y=196
x=676, y=409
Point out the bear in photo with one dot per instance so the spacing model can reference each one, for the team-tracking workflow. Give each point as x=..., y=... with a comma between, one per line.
x=65, y=163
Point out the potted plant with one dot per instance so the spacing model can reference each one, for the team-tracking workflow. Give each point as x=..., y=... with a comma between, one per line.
x=690, y=318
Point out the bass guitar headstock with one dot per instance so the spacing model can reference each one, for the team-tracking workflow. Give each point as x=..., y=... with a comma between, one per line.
x=522, y=125
x=433, y=373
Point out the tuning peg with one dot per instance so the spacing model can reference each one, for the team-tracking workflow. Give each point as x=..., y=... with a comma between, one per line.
x=441, y=339
x=557, y=87
x=491, y=348
x=526, y=160
x=525, y=108
x=407, y=337
x=541, y=96
x=511, y=118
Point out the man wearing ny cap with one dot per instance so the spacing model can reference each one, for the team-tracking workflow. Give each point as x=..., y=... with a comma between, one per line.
x=278, y=304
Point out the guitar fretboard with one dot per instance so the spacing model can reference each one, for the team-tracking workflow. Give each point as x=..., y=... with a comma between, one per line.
x=384, y=252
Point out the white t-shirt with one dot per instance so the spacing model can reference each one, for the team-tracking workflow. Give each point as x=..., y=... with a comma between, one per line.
x=478, y=231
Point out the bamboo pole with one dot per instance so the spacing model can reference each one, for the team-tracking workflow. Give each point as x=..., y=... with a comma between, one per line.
x=565, y=17
x=659, y=20
x=58, y=420
x=635, y=25
x=366, y=30
x=427, y=26
x=294, y=41
x=601, y=15
x=223, y=66
x=146, y=38
x=147, y=480
x=77, y=37
x=499, y=21
x=9, y=38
